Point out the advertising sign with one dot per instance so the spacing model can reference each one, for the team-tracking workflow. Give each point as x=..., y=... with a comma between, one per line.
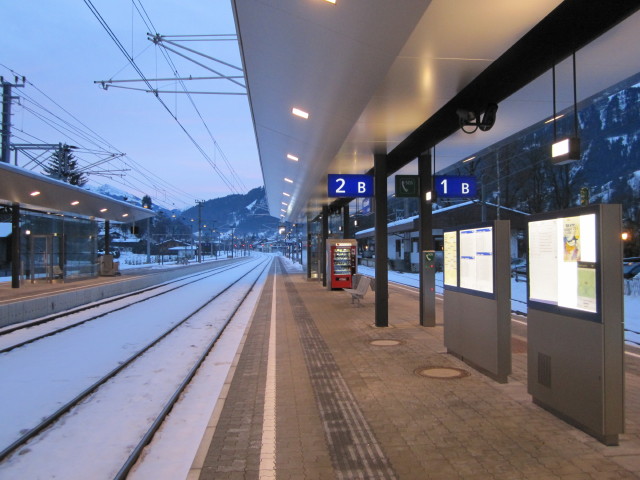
x=562, y=269
x=350, y=185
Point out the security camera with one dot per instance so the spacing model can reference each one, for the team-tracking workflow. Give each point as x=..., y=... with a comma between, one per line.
x=469, y=118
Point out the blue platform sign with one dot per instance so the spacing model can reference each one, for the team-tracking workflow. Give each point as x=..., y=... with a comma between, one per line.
x=455, y=186
x=350, y=185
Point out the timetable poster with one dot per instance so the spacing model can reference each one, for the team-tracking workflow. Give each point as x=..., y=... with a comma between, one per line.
x=451, y=258
x=476, y=259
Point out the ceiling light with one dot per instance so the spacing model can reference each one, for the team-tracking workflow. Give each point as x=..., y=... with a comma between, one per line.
x=299, y=113
x=75, y=202
x=283, y=210
x=292, y=157
x=286, y=194
x=555, y=118
x=288, y=180
x=285, y=203
x=35, y=193
x=468, y=159
x=125, y=214
x=331, y=1
x=102, y=210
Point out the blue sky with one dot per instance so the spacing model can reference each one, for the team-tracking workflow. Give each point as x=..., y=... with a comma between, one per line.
x=61, y=48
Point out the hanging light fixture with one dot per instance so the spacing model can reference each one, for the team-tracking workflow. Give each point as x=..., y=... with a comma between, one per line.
x=568, y=149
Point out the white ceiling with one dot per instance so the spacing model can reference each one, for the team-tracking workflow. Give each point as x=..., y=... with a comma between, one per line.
x=369, y=72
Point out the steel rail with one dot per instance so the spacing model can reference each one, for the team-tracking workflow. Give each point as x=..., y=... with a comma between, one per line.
x=55, y=416
x=203, y=275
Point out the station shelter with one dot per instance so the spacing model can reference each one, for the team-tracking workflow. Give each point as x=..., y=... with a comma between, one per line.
x=49, y=229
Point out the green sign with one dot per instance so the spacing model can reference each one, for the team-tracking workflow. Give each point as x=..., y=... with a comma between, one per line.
x=429, y=256
x=407, y=186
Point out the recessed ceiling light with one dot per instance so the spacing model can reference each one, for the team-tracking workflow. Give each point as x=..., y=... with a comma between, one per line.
x=299, y=113
x=283, y=210
x=75, y=202
x=285, y=203
x=125, y=214
x=555, y=118
x=35, y=193
x=286, y=194
x=331, y=1
x=292, y=157
x=288, y=180
x=103, y=210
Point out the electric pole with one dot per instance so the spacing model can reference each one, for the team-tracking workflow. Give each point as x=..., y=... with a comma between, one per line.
x=6, y=115
x=199, y=203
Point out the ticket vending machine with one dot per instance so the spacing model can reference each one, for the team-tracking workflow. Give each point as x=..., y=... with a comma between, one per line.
x=341, y=263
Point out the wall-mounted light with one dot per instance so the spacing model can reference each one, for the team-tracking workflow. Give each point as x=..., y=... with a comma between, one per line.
x=27, y=232
x=428, y=196
x=300, y=113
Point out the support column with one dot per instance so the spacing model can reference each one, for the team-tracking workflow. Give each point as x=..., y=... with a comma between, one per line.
x=308, y=246
x=323, y=244
x=382, y=272
x=107, y=237
x=15, y=246
x=346, y=230
x=427, y=268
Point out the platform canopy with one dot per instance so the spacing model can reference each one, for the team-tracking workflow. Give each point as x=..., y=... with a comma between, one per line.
x=18, y=185
x=383, y=75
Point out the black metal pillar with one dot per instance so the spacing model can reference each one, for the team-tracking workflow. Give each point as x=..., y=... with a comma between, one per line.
x=345, y=222
x=382, y=273
x=308, y=246
x=107, y=237
x=15, y=246
x=427, y=268
x=323, y=244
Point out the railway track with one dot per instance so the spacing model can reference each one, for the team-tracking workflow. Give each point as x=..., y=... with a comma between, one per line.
x=119, y=302
x=199, y=329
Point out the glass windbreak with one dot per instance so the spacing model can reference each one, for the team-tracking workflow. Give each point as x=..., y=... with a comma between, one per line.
x=58, y=247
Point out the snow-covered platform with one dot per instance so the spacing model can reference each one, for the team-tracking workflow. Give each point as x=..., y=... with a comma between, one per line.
x=33, y=300
x=317, y=391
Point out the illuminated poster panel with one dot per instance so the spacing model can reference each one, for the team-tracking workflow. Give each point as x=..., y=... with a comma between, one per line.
x=562, y=262
x=451, y=258
x=476, y=259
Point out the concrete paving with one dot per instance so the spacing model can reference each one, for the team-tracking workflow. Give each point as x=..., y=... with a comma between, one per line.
x=346, y=408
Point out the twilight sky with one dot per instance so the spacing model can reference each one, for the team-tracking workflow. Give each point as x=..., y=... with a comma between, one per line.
x=62, y=48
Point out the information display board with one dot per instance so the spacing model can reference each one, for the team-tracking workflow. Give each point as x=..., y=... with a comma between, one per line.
x=469, y=259
x=451, y=258
x=563, y=262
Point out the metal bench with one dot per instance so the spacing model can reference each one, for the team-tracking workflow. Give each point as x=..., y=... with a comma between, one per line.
x=361, y=289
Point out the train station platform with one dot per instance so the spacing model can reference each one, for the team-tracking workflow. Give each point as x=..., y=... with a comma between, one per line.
x=318, y=392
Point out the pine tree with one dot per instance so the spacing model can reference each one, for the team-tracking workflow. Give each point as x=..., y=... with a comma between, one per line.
x=63, y=166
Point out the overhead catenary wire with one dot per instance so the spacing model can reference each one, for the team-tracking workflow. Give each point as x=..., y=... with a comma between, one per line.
x=130, y=59
x=79, y=134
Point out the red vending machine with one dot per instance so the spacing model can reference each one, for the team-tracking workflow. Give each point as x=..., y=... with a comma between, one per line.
x=341, y=263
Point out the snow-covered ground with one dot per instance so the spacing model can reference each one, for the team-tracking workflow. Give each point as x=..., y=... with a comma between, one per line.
x=519, y=298
x=43, y=375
